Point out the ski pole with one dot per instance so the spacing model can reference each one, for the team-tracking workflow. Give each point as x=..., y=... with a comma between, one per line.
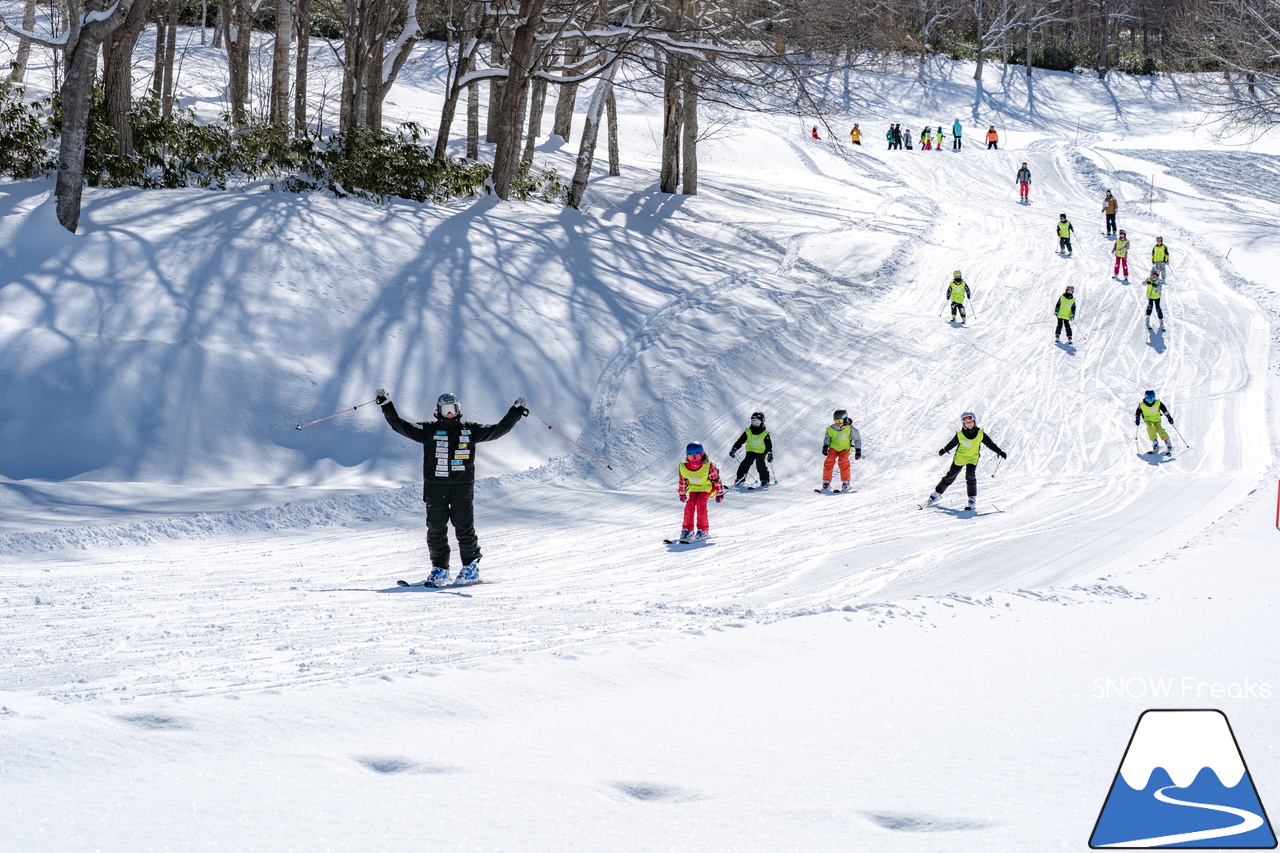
x=334, y=415
x=973, y=309
x=1179, y=432
x=571, y=441
x=998, y=464
x=772, y=475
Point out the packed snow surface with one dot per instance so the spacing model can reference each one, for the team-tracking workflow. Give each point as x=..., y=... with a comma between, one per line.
x=203, y=644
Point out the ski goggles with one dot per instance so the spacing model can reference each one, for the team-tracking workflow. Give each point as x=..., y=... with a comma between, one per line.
x=756, y=421
x=695, y=458
x=450, y=410
x=968, y=420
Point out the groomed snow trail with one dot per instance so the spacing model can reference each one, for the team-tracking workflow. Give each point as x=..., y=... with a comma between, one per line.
x=840, y=306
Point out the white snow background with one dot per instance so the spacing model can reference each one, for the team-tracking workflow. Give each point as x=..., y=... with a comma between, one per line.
x=202, y=645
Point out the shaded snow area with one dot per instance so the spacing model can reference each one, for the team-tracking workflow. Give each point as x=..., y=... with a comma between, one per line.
x=202, y=642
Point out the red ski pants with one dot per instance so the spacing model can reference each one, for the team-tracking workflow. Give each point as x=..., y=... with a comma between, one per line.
x=829, y=465
x=1121, y=261
x=696, y=505
x=1024, y=189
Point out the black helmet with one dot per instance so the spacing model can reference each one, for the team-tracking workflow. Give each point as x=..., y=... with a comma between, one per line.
x=1062, y=216
x=447, y=404
x=757, y=416
x=839, y=415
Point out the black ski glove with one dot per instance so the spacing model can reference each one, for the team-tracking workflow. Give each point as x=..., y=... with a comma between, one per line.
x=825, y=448
x=733, y=454
x=1170, y=421
x=857, y=453
x=1003, y=455
x=1135, y=421
x=519, y=404
x=382, y=398
x=768, y=457
x=942, y=452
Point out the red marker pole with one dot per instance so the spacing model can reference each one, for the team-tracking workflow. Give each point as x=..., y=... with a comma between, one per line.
x=1228, y=254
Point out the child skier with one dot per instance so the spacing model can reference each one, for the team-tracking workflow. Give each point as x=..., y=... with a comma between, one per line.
x=841, y=436
x=1150, y=410
x=926, y=139
x=855, y=135
x=967, y=443
x=1024, y=183
x=957, y=290
x=1160, y=256
x=993, y=138
x=1121, y=251
x=937, y=139
x=1065, y=311
x=1064, y=234
x=1154, y=286
x=699, y=481
x=759, y=450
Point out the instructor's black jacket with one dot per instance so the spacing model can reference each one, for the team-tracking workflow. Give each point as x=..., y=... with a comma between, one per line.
x=448, y=452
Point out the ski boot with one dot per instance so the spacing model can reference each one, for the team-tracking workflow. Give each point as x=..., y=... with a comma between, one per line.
x=1155, y=447
x=686, y=536
x=933, y=499
x=826, y=485
x=1168, y=447
x=438, y=577
x=700, y=535
x=972, y=506
x=470, y=573
x=846, y=486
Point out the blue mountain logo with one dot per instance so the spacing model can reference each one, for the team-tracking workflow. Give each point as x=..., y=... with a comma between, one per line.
x=1183, y=783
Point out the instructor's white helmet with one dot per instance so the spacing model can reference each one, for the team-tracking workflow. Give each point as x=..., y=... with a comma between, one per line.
x=447, y=406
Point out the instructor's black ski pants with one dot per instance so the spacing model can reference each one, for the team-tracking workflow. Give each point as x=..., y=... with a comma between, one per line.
x=970, y=479
x=1063, y=323
x=451, y=502
x=761, y=469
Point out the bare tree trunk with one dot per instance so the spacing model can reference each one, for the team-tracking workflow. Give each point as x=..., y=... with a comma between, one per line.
x=689, y=129
x=611, y=113
x=301, y=68
x=567, y=98
x=499, y=49
x=76, y=95
x=536, y=103
x=157, y=71
x=982, y=39
x=117, y=76
x=473, y=122
x=237, y=32
x=590, y=133
x=468, y=42
x=1103, y=63
x=1030, y=32
x=520, y=67
x=285, y=15
x=19, y=71
x=169, y=58
x=669, y=179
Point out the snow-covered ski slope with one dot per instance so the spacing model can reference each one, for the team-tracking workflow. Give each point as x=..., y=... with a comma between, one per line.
x=163, y=357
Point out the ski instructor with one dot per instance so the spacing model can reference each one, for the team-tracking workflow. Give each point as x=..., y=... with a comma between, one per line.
x=449, y=478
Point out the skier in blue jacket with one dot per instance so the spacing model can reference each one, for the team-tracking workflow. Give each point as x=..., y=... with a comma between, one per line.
x=955, y=133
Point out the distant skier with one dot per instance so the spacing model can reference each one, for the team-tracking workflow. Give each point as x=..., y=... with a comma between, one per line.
x=967, y=443
x=1064, y=234
x=906, y=137
x=955, y=136
x=993, y=138
x=1160, y=256
x=926, y=139
x=1121, y=251
x=938, y=139
x=1024, y=183
x=699, y=482
x=815, y=132
x=855, y=135
x=1155, y=285
x=888, y=135
x=957, y=290
x=1109, y=207
x=449, y=478
x=759, y=450
x=840, y=438
x=1065, y=311
x=1150, y=410
x=897, y=137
